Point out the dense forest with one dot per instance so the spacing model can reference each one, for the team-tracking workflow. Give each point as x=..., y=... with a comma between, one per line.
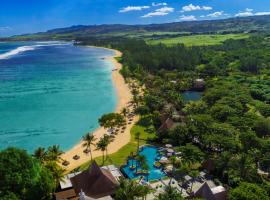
x=230, y=124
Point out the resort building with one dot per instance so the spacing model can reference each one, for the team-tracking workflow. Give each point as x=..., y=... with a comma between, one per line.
x=199, y=84
x=94, y=183
x=215, y=193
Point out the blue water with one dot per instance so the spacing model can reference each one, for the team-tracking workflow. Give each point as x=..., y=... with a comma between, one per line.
x=191, y=96
x=52, y=93
x=151, y=153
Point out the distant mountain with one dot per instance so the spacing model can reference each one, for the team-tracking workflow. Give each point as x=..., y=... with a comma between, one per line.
x=243, y=24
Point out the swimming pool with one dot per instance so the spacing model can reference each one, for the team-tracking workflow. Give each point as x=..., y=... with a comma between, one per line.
x=150, y=153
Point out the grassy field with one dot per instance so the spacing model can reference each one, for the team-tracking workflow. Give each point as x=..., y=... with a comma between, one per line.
x=119, y=158
x=198, y=40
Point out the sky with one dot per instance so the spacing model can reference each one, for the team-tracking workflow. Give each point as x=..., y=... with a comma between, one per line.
x=29, y=16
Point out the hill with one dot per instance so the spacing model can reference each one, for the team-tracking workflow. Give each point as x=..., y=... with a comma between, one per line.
x=222, y=26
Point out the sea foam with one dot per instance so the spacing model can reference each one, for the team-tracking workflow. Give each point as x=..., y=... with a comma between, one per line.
x=16, y=51
x=31, y=48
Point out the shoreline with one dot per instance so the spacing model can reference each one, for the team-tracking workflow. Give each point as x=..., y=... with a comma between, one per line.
x=121, y=139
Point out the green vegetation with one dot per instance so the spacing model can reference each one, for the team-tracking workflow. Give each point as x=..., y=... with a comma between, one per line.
x=229, y=125
x=131, y=190
x=198, y=40
x=111, y=120
x=23, y=177
x=248, y=191
x=119, y=158
x=170, y=193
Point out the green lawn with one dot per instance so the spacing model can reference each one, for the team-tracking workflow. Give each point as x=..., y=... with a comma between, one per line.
x=198, y=40
x=119, y=158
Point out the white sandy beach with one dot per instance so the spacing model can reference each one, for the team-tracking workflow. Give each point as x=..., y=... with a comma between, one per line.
x=121, y=139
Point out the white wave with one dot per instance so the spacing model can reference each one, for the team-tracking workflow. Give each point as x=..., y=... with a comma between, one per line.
x=51, y=43
x=16, y=51
x=31, y=48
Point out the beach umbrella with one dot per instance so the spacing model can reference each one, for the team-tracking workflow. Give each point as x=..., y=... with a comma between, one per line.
x=168, y=146
x=164, y=160
x=170, y=151
x=169, y=168
x=169, y=154
x=110, y=130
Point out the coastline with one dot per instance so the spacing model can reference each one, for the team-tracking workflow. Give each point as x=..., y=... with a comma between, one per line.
x=124, y=97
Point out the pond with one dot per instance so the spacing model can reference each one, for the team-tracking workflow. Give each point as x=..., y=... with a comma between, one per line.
x=191, y=95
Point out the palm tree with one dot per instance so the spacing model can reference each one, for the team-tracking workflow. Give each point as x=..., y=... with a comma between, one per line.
x=173, y=161
x=54, y=153
x=130, y=190
x=102, y=145
x=108, y=140
x=137, y=137
x=141, y=160
x=89, y=140
x=57, y=172
x=124, y=112
x=193, y=174
x=170, y=193
x=40, y=154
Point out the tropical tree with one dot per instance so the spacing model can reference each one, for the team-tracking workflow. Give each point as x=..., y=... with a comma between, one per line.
x=141, y=160
x=132, y=156
x=54, y=153
x=137, y=137
x=130, y=190
x=124, y=112
x=248, y=191
x=111, y=120
x=57, y=172
x=89, y=140
x=40, y=154
x=103, y=145
x=170, y=194
x=194, y=174
x=24, y=176
x=191, y=153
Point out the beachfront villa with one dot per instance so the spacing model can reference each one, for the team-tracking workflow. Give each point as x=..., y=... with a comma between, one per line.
x=94, y=183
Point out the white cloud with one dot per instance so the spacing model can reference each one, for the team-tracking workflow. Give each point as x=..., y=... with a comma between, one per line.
x=133, y=8
x=244, y=14
x=159, y=12
x=216, y=14
x=5, y=28
x=159, y=4
x=249, y=12
x=165, y=9
x=207, y=8
x=188, y=18
x=192, y=7
x=153, y=14
x=262, y=13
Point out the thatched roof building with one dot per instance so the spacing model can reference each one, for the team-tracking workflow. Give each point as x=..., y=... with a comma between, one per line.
x=95, y=182
x=216, y=193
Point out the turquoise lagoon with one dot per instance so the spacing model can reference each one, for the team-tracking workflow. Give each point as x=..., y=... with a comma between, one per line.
x=52, y=93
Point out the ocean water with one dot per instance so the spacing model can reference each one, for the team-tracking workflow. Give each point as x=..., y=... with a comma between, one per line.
x=52, y=93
